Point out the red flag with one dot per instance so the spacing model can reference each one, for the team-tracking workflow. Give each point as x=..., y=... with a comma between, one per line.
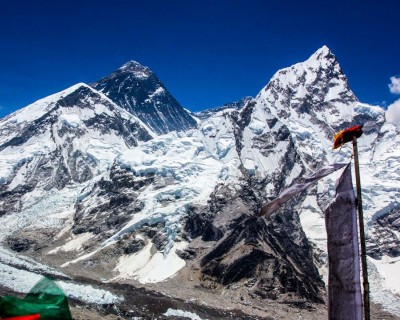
x=347, y=135
x=29, y=317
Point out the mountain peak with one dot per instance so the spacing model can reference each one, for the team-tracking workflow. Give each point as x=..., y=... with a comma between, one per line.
x=135, y=68
x=323, y=50
x=323, y=55
x=317, y=87
x=74, y=88
x=138, y=90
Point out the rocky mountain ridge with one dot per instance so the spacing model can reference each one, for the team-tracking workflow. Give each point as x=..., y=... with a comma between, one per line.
x=237, y=105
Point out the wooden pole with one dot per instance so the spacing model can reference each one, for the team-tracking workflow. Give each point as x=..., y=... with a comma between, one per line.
x=367, y=314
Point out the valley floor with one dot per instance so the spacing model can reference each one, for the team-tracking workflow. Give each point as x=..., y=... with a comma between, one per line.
x=143, y=304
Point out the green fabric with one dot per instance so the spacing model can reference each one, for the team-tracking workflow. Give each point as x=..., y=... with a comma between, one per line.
x=45, y=298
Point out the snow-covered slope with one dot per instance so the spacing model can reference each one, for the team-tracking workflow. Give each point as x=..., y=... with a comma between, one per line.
x=138, y=90
x=180, y=210
x=69, y=137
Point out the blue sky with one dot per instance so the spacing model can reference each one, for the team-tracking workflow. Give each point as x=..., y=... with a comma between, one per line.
x=206, y=52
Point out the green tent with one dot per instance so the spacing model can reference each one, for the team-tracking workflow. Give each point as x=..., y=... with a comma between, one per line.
x=45, y=298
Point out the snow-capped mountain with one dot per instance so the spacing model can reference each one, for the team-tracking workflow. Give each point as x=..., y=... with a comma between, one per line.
x=138, y=90
x=69, y=137
x=179, y=212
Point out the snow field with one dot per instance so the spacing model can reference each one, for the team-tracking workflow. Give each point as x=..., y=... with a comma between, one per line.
x=149, y=268
x=183, y=314
x=22, y=281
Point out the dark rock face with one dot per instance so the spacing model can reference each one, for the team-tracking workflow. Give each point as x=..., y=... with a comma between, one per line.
x=20, y=245
x=272, y=256
x=121, y=192
x=242, y=123
x=133, y=246
x=138, y=90
x=186, y=254
x=199, y=223
x=383, y=239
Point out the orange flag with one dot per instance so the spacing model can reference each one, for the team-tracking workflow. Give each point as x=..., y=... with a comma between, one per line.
x=347, y=135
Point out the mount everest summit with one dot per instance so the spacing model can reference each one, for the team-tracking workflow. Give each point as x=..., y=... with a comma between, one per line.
x=138, y=90
x=117, y=183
